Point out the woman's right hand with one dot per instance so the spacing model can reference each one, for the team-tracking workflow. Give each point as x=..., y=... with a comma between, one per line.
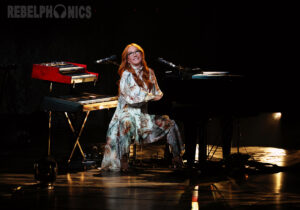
x=149, y=97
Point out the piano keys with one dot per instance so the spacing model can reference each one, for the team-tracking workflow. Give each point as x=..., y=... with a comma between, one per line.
x=63, y=72
x=81, y=102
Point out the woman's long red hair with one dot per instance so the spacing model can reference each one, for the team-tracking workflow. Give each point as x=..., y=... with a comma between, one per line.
x=126, y=66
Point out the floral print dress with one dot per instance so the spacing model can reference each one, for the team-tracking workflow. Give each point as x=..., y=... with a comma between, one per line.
x=131, y=122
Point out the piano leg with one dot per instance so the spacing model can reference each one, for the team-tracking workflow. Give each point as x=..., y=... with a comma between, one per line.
x=77, y=136
x=202, y=140
x=190, y=134
x=195, y=126
x=195, y=132
x=227, y=132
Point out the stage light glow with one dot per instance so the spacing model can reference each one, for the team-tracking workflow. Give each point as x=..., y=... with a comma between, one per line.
x=272, y=155
x=195, y=204
x=197, y=152
x=69, y=178
x=82, y=178
x=276, y=115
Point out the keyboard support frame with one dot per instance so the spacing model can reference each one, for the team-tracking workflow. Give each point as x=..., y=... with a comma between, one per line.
x=77, y=135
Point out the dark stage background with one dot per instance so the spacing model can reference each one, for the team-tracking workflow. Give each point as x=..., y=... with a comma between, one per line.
x=249, y=38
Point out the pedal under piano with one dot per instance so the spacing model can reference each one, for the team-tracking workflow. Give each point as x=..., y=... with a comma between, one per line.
x=71, y=73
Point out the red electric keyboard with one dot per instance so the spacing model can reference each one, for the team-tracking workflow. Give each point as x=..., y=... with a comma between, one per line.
x=63, y=72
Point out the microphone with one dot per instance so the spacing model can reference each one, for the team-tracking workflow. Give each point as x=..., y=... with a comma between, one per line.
x=166, y=62
x=196, y=69
x=113, y=57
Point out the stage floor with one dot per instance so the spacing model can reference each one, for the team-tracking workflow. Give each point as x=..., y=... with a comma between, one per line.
x=150, y=186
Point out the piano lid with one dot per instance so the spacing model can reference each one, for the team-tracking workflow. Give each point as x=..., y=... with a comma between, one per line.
x=215, y=75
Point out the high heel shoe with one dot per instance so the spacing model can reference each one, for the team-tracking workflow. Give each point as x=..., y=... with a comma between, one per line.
x=124, y=163
x=177, y=162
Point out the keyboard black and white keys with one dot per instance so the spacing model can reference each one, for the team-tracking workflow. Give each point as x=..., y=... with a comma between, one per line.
x=79, y=103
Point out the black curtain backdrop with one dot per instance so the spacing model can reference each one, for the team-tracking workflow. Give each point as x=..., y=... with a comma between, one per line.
x=249, y=38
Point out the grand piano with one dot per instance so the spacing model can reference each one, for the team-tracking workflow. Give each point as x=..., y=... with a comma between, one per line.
x=193, y=96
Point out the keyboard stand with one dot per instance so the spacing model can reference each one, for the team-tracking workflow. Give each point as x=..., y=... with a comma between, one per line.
x=77, y=135
x=67, y=106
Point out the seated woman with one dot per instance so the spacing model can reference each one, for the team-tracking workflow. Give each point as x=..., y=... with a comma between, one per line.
x=131, y=121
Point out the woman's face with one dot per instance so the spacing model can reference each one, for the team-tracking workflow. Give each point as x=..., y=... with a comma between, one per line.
x=134, y=56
